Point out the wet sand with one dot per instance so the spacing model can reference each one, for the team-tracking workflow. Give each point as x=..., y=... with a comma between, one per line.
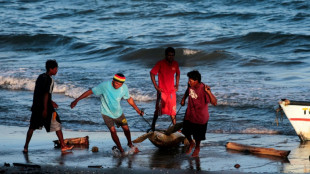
x=214, y=157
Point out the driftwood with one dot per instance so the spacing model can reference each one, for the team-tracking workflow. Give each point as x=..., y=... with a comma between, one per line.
x=257, y=150
x=83, y=141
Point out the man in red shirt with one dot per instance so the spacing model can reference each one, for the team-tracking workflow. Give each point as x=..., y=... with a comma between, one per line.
x=166, y=88
x=197, y=114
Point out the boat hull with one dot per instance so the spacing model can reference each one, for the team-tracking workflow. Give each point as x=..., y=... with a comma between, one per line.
x=298, y=113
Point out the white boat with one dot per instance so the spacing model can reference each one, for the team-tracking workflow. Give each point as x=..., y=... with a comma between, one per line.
x=298, y=113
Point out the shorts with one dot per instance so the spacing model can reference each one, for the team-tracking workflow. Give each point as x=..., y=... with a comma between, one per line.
x=197, y=130
x=51, y=123
x=120, y=121
x=55, y=125
x=167, y=103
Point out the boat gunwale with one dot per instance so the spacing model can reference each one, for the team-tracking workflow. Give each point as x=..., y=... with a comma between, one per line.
x=294, y=102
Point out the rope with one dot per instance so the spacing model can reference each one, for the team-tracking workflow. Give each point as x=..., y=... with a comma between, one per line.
x=142, y=110
x=279, y=109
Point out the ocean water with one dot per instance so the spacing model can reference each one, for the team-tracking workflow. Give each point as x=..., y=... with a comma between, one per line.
x=251, y=53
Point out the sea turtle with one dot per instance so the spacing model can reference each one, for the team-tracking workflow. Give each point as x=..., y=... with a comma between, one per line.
x=164, y=139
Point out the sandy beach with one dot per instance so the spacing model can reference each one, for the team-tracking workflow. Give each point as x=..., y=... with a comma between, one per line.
x=214, y=157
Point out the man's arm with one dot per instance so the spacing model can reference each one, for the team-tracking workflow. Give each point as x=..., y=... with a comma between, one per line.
x=55, y=105
x=212, y=97
x=154, y=82
x=84, y=95
x=177, y=79
x=133, y=104
x=45, y=101
x=184, y=97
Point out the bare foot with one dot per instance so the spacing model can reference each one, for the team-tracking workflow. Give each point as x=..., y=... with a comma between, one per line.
x=196, y=152
x=135, y=149
x=25, y=150
x=121, y=150
x=130, y=145
x=190, y=148
x=65, y=148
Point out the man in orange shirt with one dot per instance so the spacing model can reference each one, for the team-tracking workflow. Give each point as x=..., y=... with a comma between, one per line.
x=166, y=88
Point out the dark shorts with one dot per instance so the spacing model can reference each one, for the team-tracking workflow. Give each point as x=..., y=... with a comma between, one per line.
x=51, y=123
x=120, y=121
x=198, y=131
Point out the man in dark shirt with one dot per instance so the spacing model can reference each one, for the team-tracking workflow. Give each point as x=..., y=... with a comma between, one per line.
x=43, y=107
x=197, y=114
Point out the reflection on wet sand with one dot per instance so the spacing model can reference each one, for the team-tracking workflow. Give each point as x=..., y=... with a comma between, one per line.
x=174, y=158
x=197, y=163
x=130, y=159
x=26, y=156
x=299, y=159
x=166, y=158
x=62, y=158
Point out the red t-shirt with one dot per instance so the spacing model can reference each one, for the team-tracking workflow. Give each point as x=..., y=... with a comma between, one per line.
x=197, y=108
x=166, y=73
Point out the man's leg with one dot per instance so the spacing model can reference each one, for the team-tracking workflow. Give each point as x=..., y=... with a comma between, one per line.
x=191, y=144
x=173, y=119
x=197, y=149
x=64, y=147
x=173, y=104
x=115, y=138
x=28, y=138
x=155, y=117
x=127, y=134
x=156, y=113
x=187, y=131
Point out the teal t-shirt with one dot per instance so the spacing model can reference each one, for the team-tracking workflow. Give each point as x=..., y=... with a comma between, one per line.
x=111, y=98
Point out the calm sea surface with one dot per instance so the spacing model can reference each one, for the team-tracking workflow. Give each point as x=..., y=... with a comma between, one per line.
x=251, y=53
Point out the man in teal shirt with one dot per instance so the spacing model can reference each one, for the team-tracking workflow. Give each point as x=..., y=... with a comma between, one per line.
x=111, y=94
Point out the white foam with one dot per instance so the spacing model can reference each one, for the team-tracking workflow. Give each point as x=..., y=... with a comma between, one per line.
x=189, y=52
x=259, y=131
x=15, y=83
x=138, y=95
x=69, y=90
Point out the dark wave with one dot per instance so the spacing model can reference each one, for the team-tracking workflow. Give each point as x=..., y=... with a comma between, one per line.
x=301, y=16
x=42, y=42
x=37, y=41
x=70, y=13
x=298, y=5
x=266, y=37
x=265, y=40
x=184, y=56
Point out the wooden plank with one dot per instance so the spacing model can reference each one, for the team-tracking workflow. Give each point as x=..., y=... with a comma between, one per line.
x=257, y=150
x=73, y=141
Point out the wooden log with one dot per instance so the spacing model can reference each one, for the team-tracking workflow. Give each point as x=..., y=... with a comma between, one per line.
x=257, y=150
x=73, y=141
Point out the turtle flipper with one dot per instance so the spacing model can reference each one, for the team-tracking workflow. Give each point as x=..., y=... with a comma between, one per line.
x=142, y=137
